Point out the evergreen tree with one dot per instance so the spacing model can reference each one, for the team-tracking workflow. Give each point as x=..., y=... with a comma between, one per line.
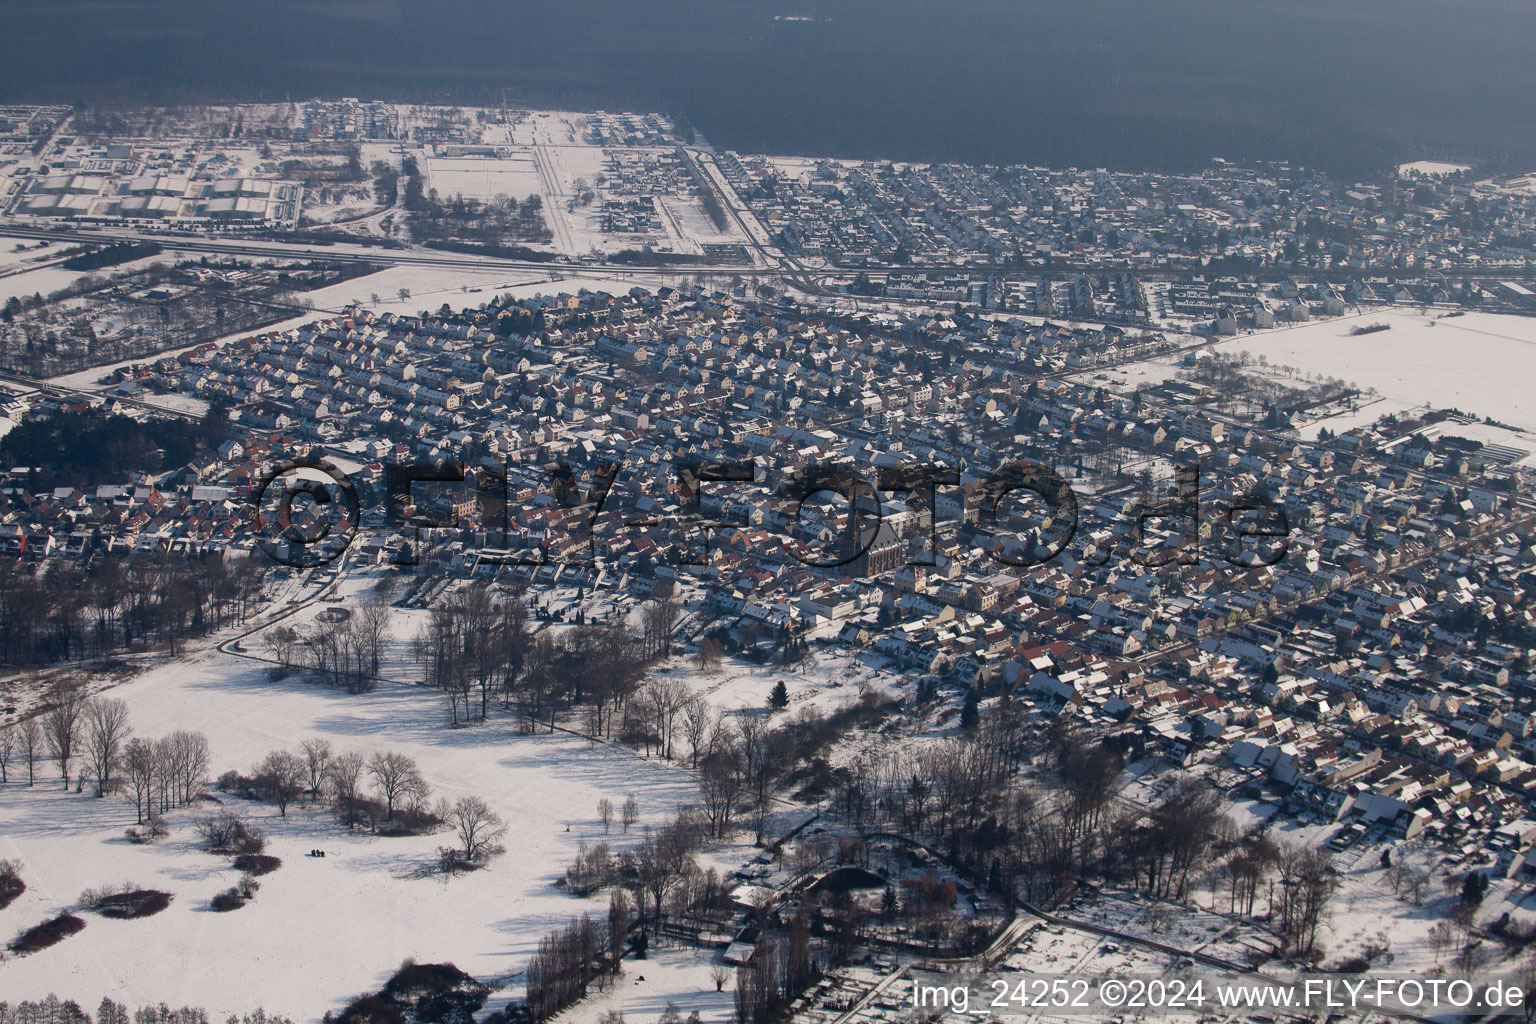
x=779, y=698
x=970, y=714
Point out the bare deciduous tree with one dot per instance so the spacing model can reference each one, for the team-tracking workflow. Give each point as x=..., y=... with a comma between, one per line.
x=662, y=859
x=61, y=725
x=187, y=759
x=1185, y=831
x=281, y=642
x=618, y=928
x=1307, y=884
x=561, y=969
x=720, y=785
x=280, y=775
x=1471, y=958
x=664, y=698
x=1440, y=935
x=29, y=741
x=592, y=869
x=605, y=813
x=227, y=832
x=698, y=723
x=630, y=812
x=139, y=767
x=398, y=780
x=464, y=647
x=7, y=751
x=478, y=828
x=761, y=758
x=344, y=776
x=106, y=730
x=373, y=627
x=660, y=619
x=708, y=657
x=317, y=761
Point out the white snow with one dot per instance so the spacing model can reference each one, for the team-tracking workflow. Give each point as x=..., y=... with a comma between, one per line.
x=16, y=279
x=43, y=281
x=320, y=931
x=1432, y=168
x=177, y=403
x=17, y=252
x=1480, y=363
x=1477, y=363
x=484, y=178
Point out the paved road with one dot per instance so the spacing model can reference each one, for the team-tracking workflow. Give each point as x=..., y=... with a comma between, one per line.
x=379, y=255
x=59, y=391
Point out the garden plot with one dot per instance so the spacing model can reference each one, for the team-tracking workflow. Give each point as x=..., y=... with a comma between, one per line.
x=1182, y=927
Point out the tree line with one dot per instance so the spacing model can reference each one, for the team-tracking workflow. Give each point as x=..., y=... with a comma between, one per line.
x=1036, y=835
x=69, y=614
x=344, y=651
x=53, y=1010
x=89, y=739
x=481, y=652
x=91, y=447
x=384, y=791
x=656, y=880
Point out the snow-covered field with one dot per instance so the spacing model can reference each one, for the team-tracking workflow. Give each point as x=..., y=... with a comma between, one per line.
x=429, y=287
x=43, y=281
x=320, y=931
x=1480, y=363
x=1432, y=168
x=17, y=279
x=323, y=930
x=16, y=252
x=483, y=177
x=178, y=403
x=670, y=974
